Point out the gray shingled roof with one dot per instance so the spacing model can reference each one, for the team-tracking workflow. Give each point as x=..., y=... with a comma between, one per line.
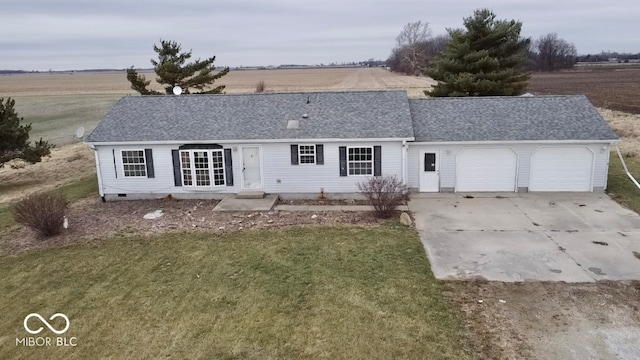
x=331, y=115
x=565, y=117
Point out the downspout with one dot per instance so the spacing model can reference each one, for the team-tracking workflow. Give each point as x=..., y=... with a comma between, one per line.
x=405, y=148
x=625, y=167
x=98, y=172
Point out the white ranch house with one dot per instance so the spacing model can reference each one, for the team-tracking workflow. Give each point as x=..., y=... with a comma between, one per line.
x=302, y=144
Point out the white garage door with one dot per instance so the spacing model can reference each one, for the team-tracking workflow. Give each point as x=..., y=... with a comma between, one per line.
x=561, y=169
x=486, y=170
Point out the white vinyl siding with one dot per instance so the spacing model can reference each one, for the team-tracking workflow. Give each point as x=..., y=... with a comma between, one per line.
x=279, y=176
x=133, y=163
x=524, y=151
x=282, y=177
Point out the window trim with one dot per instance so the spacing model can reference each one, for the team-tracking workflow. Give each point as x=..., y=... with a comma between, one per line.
x=144, y=163
x=372, y=161
x=210, y=168
x=313, y=156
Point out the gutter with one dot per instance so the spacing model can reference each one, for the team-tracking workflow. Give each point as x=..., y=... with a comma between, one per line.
x=625, y=167
x=511, y=142
x=247, y=141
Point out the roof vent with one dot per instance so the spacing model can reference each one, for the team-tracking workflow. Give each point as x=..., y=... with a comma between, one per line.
x=305, y=115
x=293, y=124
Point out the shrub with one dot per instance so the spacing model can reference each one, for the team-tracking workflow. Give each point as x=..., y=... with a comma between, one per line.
x=261, y=87
x=44, y=213
x=384, y=193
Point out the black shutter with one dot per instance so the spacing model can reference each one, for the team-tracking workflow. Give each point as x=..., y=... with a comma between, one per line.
x=294, y=154
x=377, y=160
x=319, y=154
x=177, y=172
x=115, y=169
x=148, y=159
x=343, y=160
x=228, y=167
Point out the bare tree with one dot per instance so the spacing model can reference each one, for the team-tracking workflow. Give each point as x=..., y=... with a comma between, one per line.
x=552, y=53
x=410, y=50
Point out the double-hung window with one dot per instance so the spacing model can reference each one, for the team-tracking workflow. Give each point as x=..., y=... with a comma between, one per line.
x=360, y=160
x=307, y=154
x=133, y=163
x=202, y=168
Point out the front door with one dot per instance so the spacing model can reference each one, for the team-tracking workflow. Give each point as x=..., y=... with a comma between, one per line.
x=429, y=171
x=251, y=168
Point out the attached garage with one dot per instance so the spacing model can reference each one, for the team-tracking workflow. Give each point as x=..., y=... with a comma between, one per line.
x=562, y=169
x=479, y=169
x=511, y=143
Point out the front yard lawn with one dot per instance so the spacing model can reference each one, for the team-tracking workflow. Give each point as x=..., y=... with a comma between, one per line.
x=302, y=292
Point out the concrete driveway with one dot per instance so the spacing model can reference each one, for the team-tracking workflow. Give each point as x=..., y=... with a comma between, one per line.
x=572, y=237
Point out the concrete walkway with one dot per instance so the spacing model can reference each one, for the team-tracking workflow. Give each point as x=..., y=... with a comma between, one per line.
x=232, y=203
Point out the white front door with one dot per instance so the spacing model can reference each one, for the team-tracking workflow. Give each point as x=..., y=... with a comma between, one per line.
x=251, y=168
x=429, y=171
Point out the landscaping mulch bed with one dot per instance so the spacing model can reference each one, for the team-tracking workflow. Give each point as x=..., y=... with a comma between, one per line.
x=92, y=220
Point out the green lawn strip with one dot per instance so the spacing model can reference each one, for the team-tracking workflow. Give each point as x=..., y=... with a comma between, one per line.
x=56, y=117
x=299, y=293
x=619, y=186
x=80, y=189
x=77, y=190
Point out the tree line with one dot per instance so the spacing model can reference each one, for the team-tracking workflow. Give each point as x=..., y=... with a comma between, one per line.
x=416, y=49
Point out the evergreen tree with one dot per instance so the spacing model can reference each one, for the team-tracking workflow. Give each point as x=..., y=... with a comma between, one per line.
x=486, y=58
x=14, y=138
x=173, y=70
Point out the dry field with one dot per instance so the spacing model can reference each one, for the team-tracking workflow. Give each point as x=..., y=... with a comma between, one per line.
x=613, y=89
x=239, y=81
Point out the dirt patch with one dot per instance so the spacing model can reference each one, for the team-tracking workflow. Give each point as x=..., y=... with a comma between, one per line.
x=544, y=320
x=91, y=220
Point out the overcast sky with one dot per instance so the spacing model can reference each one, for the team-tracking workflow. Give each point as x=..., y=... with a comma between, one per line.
x=88, y=34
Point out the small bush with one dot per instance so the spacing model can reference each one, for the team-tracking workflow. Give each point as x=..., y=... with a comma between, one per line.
x=261, y=87
x=384, y=193
x=44, y=213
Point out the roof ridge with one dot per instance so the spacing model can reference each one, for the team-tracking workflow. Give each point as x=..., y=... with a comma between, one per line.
x=498, y=97
x=274, y=93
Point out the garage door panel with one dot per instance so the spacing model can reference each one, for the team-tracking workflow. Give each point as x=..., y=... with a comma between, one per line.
x=561, y=169
x=486, y=170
